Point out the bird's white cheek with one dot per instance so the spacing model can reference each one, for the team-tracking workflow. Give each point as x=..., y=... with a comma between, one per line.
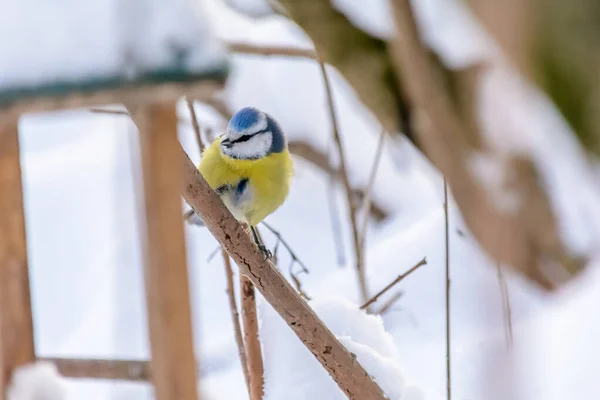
x=256, y=147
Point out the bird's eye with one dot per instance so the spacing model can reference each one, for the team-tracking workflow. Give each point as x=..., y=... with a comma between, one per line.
x=243, y=138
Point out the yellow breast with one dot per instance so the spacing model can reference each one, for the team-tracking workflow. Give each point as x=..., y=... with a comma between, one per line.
x=269, y=178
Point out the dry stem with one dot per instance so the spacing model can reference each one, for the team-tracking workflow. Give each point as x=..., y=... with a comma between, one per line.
x=366, y=204
x=195, y=124
x=358, y=250
x=447, y=248
x=251, y=339
x=506, y=309
x=394, y=282
x=235, y=318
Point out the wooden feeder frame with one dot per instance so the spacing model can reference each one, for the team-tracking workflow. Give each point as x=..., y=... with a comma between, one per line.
x=172, y=367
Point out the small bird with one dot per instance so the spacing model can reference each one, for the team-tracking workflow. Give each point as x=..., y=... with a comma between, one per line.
x=250, y=167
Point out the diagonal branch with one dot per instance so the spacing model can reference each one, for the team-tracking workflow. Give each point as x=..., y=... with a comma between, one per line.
x=354, y=381
x=393, y=283
x=524, y=237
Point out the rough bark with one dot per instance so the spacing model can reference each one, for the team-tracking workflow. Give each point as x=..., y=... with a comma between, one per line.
x=339, y=363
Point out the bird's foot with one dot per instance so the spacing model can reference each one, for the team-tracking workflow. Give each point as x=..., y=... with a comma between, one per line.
x=266, y=252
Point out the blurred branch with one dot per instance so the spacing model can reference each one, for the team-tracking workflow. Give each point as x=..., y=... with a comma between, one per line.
x=320, y=160
x=366, y=203
x=393, y=283
x=524, y=238
x=195, y=124
x=253, y=350
x=556, y=43
x=360, y=58
x=352, y=379
x=246, y=48
x=235, y=318
x=388, y=304
x=358, y=249
x=506, y=308
x=512, y=23
x=447, y=293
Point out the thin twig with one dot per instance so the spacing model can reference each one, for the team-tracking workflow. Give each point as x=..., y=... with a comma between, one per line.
x=336, y=225
x=195, y=124
x=506, y=308
x=295, y=260
x=320, y=160
x=235, y=318
x=358, y=251
x=394, y=282
x=251, y=340
x=366, y=205
x=447, y=247
x=246, y=48
x=386, y=306
x=287, y=247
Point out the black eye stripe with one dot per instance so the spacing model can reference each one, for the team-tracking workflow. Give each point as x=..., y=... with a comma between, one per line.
x=245, y=138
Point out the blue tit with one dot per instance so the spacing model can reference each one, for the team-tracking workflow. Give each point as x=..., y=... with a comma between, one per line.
x=250, y=167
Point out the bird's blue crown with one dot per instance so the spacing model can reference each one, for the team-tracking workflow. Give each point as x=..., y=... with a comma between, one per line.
x=244, y=119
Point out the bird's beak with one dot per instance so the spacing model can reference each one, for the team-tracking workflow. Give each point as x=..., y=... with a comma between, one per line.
x=226, y=142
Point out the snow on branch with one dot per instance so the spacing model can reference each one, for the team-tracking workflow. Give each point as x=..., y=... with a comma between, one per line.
x=328, y=350
x=291, y=372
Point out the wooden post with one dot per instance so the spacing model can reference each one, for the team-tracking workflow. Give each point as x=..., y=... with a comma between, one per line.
x=16, y=325
x=167, y=291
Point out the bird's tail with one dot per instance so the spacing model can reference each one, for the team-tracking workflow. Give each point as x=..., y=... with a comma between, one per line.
x=193, y=219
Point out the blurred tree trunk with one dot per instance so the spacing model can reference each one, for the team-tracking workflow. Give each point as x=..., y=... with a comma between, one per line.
x=391, y=78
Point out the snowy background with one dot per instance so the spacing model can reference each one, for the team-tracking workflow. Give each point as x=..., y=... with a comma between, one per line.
x=88, y=299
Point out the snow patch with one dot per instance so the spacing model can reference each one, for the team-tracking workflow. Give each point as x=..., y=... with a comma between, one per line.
x=37, y=381
x=293, y=373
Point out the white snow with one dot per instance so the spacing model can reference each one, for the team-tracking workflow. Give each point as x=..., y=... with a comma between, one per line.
x=74, y=41
x=87, y=283
x=37, y=381
x=377, y=20
x=292, y=372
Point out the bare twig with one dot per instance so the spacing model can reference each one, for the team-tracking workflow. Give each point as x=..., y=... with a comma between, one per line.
x=336, y=223
x=358, y=250
x=506, y=309
x=386, y=306
x=246, y=48
x=394, y=282
x=235, y=318
x=447, y=248
x=251, y=340
x=366, y=204
x=195, y=124
x=320, y=160
x=287, y=247
x=354, y=381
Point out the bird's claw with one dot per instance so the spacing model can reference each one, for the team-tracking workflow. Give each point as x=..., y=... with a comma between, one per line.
x=266, y=252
